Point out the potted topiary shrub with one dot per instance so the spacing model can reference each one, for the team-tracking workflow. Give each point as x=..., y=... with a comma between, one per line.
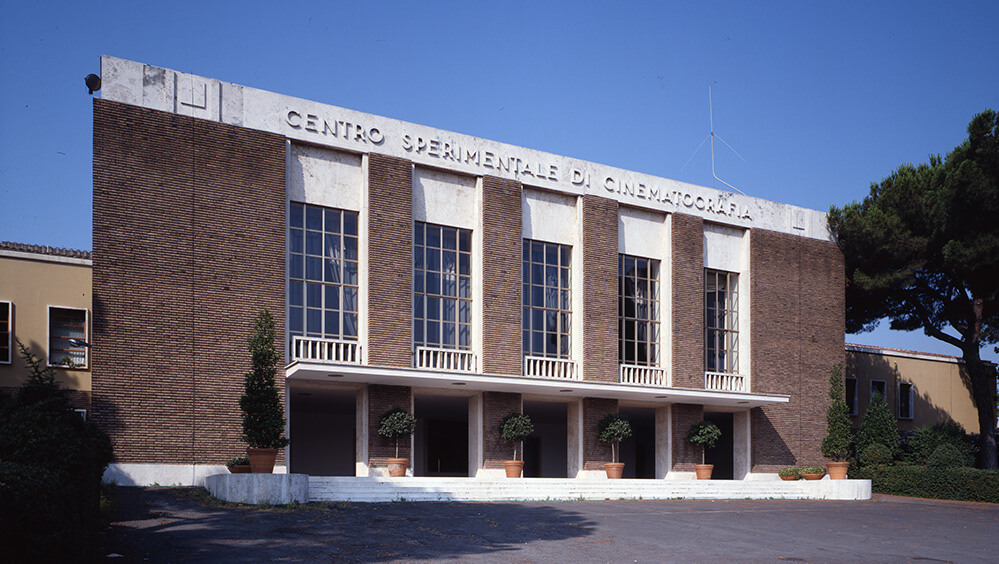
x=238, y=465
x=396, y=423
x=813, y=472
x=515, y=427
x=704, y=434
x=836, y=445
x=789, y=473
x=263, y=417
x=613, y=429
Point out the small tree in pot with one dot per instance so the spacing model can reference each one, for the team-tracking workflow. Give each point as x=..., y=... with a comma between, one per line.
x=515, y=427
x=836, y=445
x=704, y=434
x=263, y=417
x=613, y=429
x=396, y=423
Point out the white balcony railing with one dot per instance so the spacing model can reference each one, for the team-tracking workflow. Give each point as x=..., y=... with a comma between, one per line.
x=724, y=382
x=643, y=375
x=332, y=351
x=559, y=368
x=449, y=360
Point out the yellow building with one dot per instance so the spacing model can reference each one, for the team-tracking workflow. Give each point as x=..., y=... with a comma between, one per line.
x=45, y=301
x=920, y=388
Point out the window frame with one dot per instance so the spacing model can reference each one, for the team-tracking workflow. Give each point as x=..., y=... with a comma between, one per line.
x=731, y=358
x=884, y=391
x=9, y=306
x=652, y=321
x=851, y=403
x=49, y=337
x=421, y=269
x=910, y=396
x=563, y=298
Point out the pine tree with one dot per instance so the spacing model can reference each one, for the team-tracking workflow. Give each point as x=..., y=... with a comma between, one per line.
x=263, y=417
x=879, y=428
x=836, y=445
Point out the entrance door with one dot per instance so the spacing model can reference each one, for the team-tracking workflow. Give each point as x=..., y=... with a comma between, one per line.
x=638, y=452
x=722, y=454
x=441, y=438
x=322, y=431
x=546, y=451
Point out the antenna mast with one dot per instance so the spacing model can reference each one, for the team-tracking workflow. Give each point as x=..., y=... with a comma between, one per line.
x=711, y=136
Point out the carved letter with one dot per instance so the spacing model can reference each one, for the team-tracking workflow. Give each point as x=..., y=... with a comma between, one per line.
x=375, y=136
x=609, y=184
x=329, y=129
x=472, y=156
x=310, y=122
x=294, y=119
x=407, y=142
x=552, y=172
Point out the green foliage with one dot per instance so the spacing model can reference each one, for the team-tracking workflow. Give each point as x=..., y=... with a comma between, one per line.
x=922, y=250
x=837, y=443
x=238, y=461
x=879, y=427
x=613, y=429
x=813, y=470
x=926, y=439
x=51, y=465
x=516, y=427
x=947, y=456
x=263, y=417
x=704, y=433
x=396, y=423
x=790, y=471
x=874, y=454
x=963, y=484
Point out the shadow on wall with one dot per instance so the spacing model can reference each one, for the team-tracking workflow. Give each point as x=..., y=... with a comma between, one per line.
x=770, y=452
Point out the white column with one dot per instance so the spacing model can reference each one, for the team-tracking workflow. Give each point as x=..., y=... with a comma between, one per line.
x=361, y=436
x=574, y=436
x=664, y=451
x=476, y=456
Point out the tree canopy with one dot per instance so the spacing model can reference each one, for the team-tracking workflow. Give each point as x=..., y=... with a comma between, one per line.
x=922, y=250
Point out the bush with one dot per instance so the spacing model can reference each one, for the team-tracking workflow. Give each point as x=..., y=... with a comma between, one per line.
x=925, y=440
x=613, y=429
x=837, y=443
x=879, y=427
x=704, y=433
x=263, y=417
x=396, y=423
x=962, y=484
x=813, y=470
x=948, y=456
x=516, y=427
x=238, y=461
x=875, y=454
x=790, y=471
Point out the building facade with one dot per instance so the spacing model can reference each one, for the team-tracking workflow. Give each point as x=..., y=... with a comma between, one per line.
x=459, y=278
x=45, y=300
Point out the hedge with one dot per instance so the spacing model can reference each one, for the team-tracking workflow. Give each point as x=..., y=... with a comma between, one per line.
x=962, y=484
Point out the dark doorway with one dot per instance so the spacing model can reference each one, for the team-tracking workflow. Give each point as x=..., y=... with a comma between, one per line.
x=638, y=452
x=546, y=452
x=322, y=431
x=441, y=438
x=722, y=454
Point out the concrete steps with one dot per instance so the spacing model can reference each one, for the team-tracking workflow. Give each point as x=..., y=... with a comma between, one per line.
x=325, y=488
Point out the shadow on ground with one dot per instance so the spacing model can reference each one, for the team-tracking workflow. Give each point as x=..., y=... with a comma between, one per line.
x=185, y=524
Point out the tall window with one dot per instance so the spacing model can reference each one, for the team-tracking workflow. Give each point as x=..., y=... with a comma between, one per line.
x=6, y=316
x=851, y=395
x=442, y=286
x=879, y=391
x=721, y=321
x=547, y=299
x=638, y=311
x=66, y=324
x=904, y=400
x=322, y=272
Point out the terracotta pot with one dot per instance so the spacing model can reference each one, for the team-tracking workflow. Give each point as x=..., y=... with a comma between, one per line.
x=812, y=476
x=261, y=460
x=514, y=468
x=703, y=471
x=837, y=470
x=397, y=466
x=614, y=470
x=241, y=469
x=790, y=478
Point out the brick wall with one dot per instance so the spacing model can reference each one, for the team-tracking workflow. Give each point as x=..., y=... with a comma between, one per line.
x=686, y=455
x=189, y=222
x=496, y=406
x=380, y=400
x=797, y=335
x=390, y=261
x=501, y=266
x=687, y=287
x=595, y=453
x=599, y=287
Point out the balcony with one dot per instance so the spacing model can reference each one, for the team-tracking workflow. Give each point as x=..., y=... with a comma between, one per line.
x=724, y=382
x=327, y=351
x=643, y=375
x=445, y=360
x=557, y=368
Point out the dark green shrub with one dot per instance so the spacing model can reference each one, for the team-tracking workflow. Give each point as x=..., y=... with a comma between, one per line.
x=963, y=484
x=396, y=423
x=613, y=429
x=879, y=427
x=263, y=417
x=926, y=439
x=515, y=427
x=813, y=470
x=875, y=454
x=790, y=471
x=948, y=456
x=837, y=443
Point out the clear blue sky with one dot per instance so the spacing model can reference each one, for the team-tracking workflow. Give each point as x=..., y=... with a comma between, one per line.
x=820, y=99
